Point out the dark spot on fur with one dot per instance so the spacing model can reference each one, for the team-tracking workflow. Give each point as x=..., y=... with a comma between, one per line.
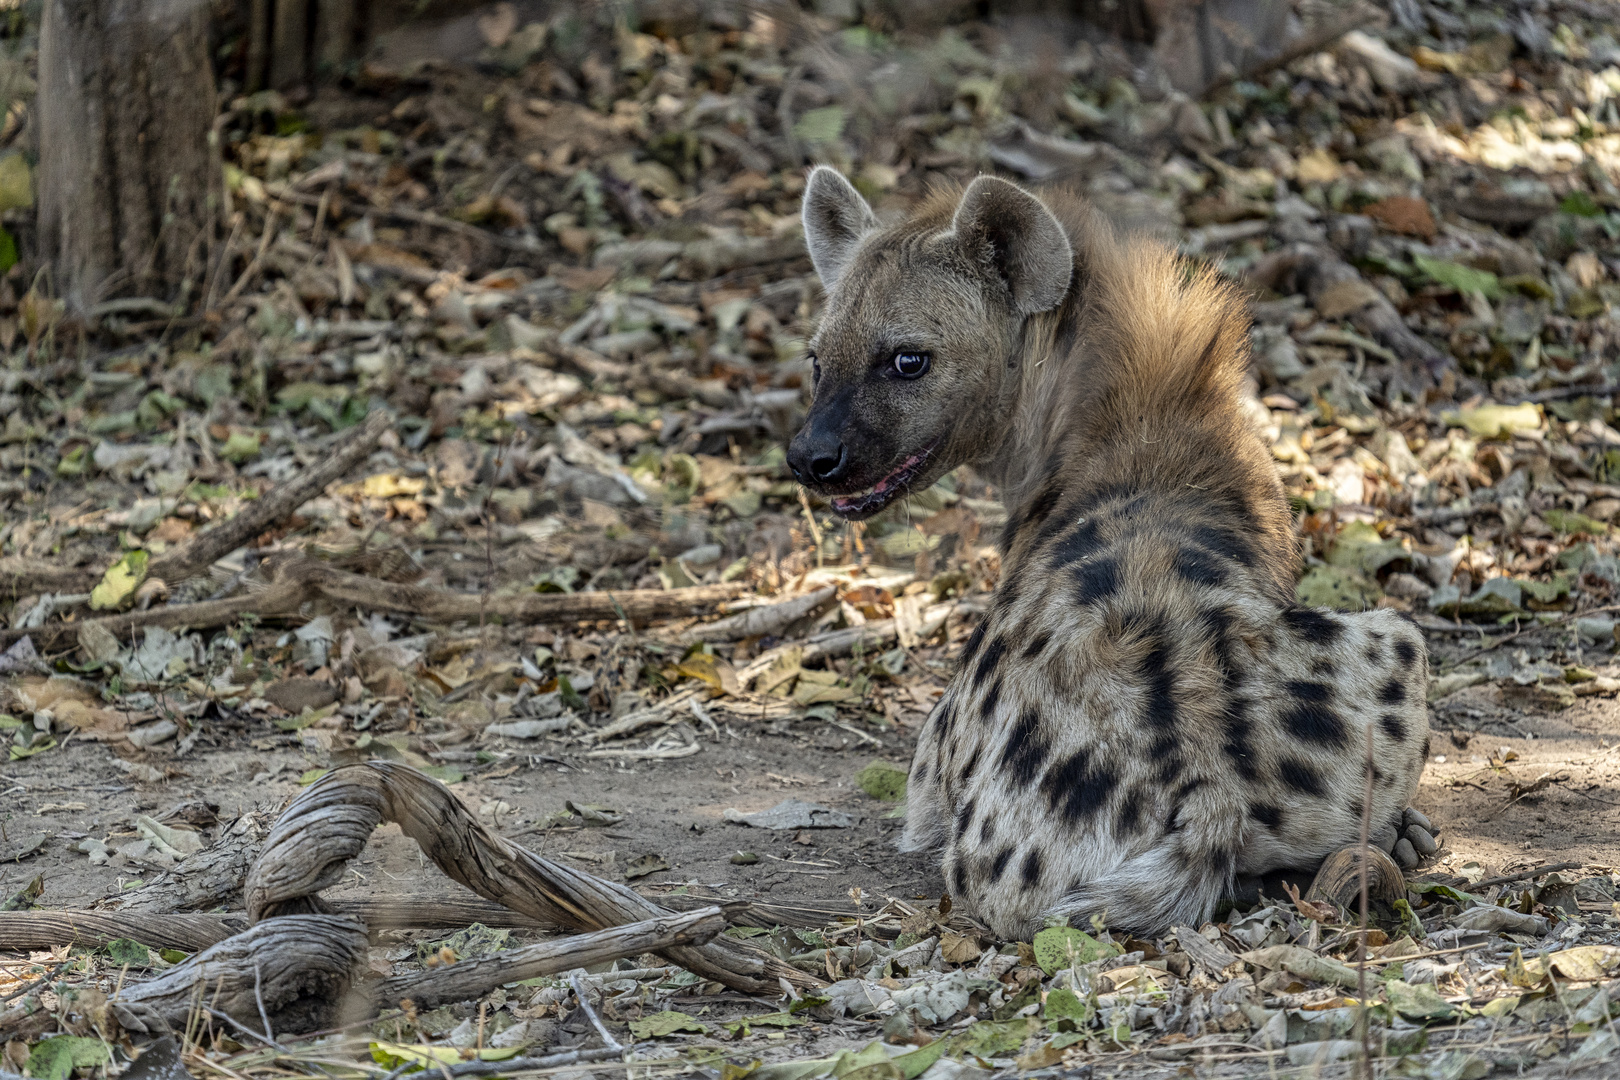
x=999, y=865
x=971, y=766
x=1026, y=750
x=1097, y=579
x=987, y=829
x=959, y=880
x=964, y=817
x=1082, y=542
x=1222, y=861
x=1406, y=652
x=1079, y=787
x=1036, y=646
x=1030, y=872
x=1322, y=669
x=1199, y=567
x=1128, y=817
x=1224, y=542
x=1314, y=723
x=1393, y=692
x=1166, y=754
x=1301, y=777
x=1266, y=814
x=1236, y=745
x=1159, y=681
x=974, y=641
x=1393, y=726
x=990, y=661
x=1312, y=625
x=987, y=707
x=1314, y=693
x=922, y=772
x=1375, y=655
x=1040, y=508
x=947, y=717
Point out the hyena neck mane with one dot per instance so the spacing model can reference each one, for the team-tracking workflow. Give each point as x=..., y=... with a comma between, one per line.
x=1132, y=388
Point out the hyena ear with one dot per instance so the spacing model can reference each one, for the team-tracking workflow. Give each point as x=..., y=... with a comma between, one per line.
x=835, y=219
x=1013, y=234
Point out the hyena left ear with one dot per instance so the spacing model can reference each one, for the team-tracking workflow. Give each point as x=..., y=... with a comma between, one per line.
x=1015, y=236
x=835, y=219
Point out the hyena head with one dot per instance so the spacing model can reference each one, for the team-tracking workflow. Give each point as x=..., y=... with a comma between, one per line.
x=916, y=358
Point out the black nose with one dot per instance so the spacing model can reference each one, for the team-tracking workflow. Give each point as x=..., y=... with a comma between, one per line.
x=816, y=457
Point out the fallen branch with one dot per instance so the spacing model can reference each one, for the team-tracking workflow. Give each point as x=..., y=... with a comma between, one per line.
x=328, y=824
x=872, y=635
x=440, y=606
x=209, y=879
x=762, y=620
x=205, y=548
x=470, y=979
x=191, y=931
x=299, y=966
x=19, y=576
x=514, y=1066
x=296, y=581
x=167, y=930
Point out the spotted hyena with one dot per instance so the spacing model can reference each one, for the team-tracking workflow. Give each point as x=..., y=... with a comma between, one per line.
x=1145, y=712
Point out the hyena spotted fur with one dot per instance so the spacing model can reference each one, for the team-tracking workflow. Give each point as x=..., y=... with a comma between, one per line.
x=1145, y=713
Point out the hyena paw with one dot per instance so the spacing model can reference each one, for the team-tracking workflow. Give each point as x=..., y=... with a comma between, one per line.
x=1417, y=840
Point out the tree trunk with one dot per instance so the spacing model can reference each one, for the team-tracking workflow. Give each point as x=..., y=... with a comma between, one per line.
x=129, y=183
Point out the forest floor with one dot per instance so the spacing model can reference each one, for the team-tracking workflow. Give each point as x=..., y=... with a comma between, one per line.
x=566, y=265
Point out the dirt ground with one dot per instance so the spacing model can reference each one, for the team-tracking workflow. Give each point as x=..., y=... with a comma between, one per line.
x=1483, y=750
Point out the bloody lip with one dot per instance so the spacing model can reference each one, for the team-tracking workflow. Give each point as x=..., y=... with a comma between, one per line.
x=885, y=490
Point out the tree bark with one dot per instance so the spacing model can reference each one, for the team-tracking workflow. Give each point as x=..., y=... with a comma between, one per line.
x=129, y=185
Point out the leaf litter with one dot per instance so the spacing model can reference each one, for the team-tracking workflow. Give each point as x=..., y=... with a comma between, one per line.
x=570, y=271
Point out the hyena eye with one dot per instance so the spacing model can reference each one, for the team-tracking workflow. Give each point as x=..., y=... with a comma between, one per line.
x=911, y=365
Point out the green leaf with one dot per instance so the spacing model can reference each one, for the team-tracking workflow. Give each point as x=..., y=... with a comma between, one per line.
x=241, y=446
x=1465, y=279
x=393, y=1055
x=8, y=250
x=1065, y=1004
x=1410, y=923
x=73, y=462
x=1580, y=204
x=173, y=956
x=882, y=781
x=1496, y=421
x=1059, y=947
x=120, y=581
x=16, y=183
x=1336, y=587
x=821, y=125
x=664, y=1023
x=775, y=1019
x=1568, y=521
x=1419, y=1002
x=55, y=1059
x=996, y=1039
x=1359, y=547
x=129, y=951
x=445, y=774
x=20, y=752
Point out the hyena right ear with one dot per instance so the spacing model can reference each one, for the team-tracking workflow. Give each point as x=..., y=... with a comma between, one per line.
x=835, y=219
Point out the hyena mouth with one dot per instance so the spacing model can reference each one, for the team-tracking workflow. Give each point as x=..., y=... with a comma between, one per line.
x=865, y=503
